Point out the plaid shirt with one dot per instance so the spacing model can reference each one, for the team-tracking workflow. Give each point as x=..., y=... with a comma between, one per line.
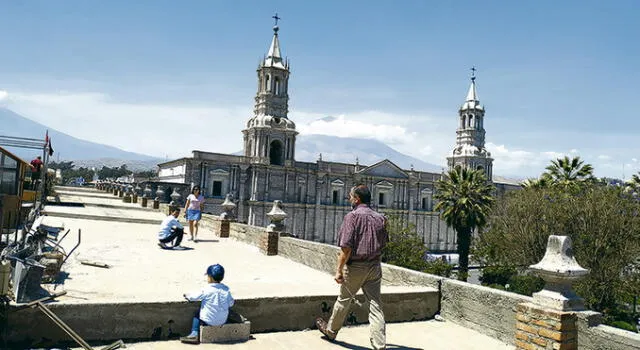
x=364, y=231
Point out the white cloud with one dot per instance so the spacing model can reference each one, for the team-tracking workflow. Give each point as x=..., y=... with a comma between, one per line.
x=175, y=129
x=155, y=129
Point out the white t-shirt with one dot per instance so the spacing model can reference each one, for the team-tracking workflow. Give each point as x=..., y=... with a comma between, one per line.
x=216, y=300
x=167, y=224
x=194, y=203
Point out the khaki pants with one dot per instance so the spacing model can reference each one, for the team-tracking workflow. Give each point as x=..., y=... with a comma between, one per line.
x=368, y=276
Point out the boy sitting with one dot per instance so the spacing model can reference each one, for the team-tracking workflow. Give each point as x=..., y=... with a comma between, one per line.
x=171, y=230
x=215, y=300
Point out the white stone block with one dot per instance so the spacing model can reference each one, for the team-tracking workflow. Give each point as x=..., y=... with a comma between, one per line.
x=228, y=332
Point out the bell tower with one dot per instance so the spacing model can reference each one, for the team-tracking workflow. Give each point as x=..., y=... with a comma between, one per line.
x=269, y=137
x=470, y=151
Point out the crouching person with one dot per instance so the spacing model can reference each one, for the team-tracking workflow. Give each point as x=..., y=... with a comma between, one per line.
x=215, y=300
x=171, y=231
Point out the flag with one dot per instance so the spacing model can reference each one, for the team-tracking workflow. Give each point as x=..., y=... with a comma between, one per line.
x=50, y=148
x=47, y=143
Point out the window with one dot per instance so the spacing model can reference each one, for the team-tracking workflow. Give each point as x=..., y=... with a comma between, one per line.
x=424, y=203
x=336, y=197
x=381, y=199
x=299, y=199
x=217, y=189
x=275, y=153
x=277, y=85
x=267, y=83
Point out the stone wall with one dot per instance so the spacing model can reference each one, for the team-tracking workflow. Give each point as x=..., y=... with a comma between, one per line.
x=323, y=257
x=594, y=336
x=247, y=234
x=486, y=310
x=143, y=321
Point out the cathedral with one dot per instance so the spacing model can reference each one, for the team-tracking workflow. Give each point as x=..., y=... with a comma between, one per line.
x=315, y=194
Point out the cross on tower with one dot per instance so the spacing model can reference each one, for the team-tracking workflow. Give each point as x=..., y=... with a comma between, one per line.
x=473, y=73
x=276, y=18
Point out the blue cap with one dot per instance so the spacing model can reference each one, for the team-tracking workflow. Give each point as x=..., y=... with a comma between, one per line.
x=216, y=271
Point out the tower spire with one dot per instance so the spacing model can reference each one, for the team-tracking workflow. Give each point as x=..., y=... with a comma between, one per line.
x=472, y=95
x=274, y=57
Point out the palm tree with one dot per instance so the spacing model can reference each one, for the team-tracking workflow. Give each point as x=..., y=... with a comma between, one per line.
x=634, y=182
x=568, y=173
x=536, y=184
x=464, y=199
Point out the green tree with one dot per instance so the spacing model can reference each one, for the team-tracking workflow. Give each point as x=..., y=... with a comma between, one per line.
x=569, y=173
x=113, y=173
x=406, y=249
x=145, y=174
x=602, y=221
x=464, y=200
x=541, y=182
x=634, y=182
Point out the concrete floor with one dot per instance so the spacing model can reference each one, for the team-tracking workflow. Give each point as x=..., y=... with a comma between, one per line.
x=141, y=271
x=432, y=335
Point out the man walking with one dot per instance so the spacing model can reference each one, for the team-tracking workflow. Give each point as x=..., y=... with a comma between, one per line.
x=362, y=237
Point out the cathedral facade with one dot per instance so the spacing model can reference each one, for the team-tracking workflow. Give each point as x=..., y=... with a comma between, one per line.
x=315, y=194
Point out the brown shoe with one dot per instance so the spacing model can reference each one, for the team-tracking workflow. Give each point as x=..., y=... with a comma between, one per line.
x=322, y=327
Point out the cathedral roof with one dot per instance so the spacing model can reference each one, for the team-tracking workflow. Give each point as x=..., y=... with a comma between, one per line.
x=274, y=57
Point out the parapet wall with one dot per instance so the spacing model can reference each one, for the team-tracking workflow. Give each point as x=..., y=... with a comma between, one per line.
x=486, y=310
x=595, y=336
x=162, y=320
x=321, y=256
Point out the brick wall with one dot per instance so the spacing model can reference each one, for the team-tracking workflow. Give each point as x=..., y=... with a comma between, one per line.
x=540, y=329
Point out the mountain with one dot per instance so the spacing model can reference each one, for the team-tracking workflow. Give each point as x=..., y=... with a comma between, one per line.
x=346, y=150
x=71, y=148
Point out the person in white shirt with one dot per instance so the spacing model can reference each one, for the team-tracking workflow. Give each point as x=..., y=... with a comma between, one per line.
x=193, y=211
x=215, y=300
x=171, y=231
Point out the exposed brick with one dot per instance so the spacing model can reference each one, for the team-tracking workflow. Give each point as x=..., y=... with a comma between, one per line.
x=523, y=318
x=527, y=328
x=524, y=336
x=547, y=323
x=520, y=345
x=224, y=228
x=541, y=341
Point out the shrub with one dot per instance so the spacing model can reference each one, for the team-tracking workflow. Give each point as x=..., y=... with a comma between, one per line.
x=525, y=284
x=438, y=267
x=497, y=275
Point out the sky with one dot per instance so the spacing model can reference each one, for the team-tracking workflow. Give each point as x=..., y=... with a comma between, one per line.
x=556, y=77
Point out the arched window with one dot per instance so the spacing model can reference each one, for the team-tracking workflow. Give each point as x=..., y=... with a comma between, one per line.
x=267, y=83
x=277, y=85
x=470, y=120
x=464, y=121
x=275, y=153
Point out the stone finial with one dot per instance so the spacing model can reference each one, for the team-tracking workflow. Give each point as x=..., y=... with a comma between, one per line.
x=160, y=194
x=227, y=207
x=560, y=271
x=147, y=191
x=276, y=216
x=175, y=196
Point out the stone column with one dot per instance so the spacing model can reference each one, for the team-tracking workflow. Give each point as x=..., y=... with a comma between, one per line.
x=549, y=322
x=241, y=194
x=269, y=242
x=226, y=217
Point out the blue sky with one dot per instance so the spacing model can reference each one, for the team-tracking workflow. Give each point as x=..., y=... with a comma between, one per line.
x=556, y=77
